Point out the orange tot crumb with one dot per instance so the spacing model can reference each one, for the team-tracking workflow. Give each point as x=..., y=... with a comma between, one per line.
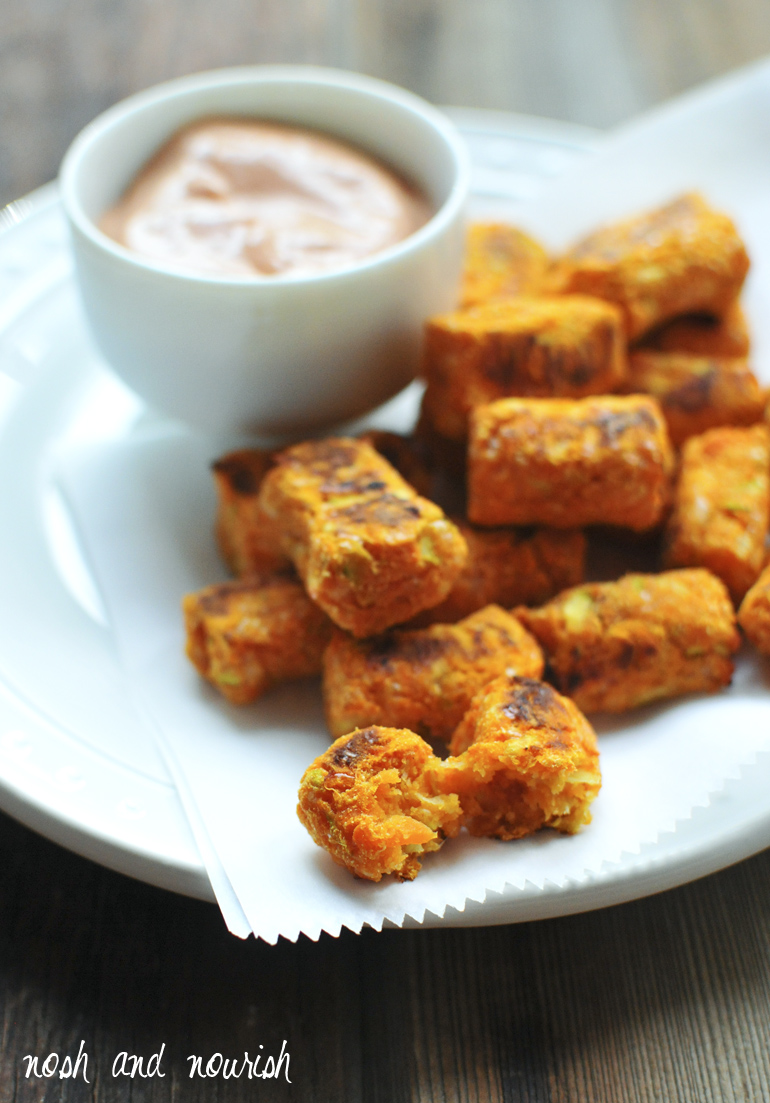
x=369, y=549
x=524, y=758
x=410, y=456
x=754, y=613
x=682, y=258
x=696, y=393
x=604, y=460
x=247, y=636
x=722, y=506
x=372, y=800
x=509, y=567
x=567, y=346
x=704, y=334
x=501, y=261
x=615, y=645
x=247, y=538
x=423, y=679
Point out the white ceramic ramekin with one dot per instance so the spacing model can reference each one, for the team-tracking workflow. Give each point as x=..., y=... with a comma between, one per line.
x=268, y=356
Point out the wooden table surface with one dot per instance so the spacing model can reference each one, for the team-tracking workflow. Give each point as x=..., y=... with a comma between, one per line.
x=663, y=999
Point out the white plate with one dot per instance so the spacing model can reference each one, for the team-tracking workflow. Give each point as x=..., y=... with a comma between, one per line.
x=74, y=763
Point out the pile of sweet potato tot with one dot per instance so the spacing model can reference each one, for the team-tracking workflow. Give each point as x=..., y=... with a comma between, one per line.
x=436, y=581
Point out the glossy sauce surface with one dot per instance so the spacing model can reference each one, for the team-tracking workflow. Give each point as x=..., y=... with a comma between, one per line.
x=243, y=197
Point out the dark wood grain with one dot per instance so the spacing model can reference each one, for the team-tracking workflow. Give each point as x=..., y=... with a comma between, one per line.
x=662, y=999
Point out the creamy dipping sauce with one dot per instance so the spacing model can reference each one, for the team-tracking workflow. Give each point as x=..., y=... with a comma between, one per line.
x=241, y=197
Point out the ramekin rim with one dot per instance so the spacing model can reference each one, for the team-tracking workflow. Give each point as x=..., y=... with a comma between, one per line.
x=446, y=214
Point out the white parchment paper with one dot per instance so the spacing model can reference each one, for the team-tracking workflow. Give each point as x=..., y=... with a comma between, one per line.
x=144, y=508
